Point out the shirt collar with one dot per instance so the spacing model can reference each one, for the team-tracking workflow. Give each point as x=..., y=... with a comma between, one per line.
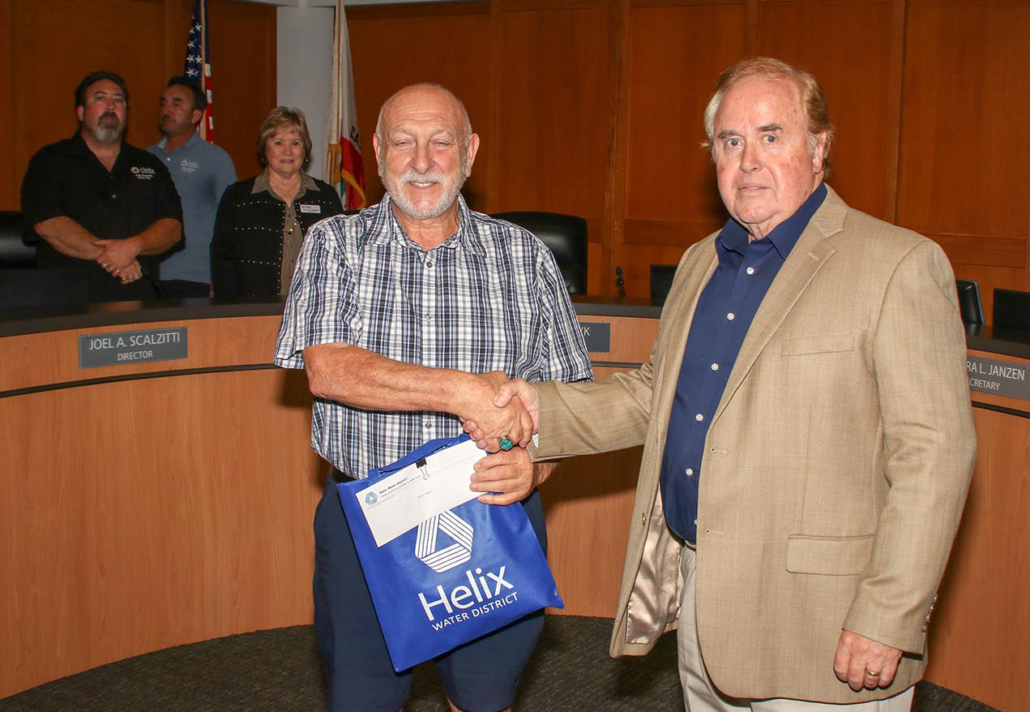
x=80, y=146
x=190, y=144
x=785, y=235
x=79, y=143
x=387, y=227
x=261, y=183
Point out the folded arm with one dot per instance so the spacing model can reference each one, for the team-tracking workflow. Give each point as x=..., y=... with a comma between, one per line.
x=69, y=238
x=116, y=255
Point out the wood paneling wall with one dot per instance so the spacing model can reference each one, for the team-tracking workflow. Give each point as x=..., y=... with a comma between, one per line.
x=47, y=46
x=547, y=137
x=593, y=107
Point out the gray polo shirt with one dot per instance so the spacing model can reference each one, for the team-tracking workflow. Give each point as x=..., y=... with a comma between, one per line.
x=201, y=171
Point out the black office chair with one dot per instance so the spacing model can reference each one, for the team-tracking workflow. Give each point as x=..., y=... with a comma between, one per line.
x=43, y=287
x=22, y=284
x=565, y=236
x=969, y=304
x=14, y=253
x=1011, y=309
x=661, y=282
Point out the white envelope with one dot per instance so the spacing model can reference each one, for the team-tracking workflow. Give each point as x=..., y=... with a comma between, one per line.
x=405, y=499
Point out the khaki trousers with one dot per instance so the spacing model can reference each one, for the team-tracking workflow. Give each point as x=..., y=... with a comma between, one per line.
x=700, y=695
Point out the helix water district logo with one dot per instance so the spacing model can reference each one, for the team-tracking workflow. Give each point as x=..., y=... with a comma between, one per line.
x=371, y=498
x=453, y=528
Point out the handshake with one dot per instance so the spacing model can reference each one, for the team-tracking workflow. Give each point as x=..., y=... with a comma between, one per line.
x=499, y=413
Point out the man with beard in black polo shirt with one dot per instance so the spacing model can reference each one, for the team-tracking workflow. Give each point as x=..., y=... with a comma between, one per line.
x=98, y=203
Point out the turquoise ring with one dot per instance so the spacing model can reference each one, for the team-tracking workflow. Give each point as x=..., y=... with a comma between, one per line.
x=506, y=444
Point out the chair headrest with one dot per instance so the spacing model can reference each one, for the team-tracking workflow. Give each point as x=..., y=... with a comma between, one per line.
x=565, y=236
x=13, y=250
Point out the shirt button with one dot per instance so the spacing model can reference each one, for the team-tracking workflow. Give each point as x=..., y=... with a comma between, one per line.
x=715, y=367
x=429, y=265
x=427, y=426
x=695, y=522
x=114, y=195
x=750, y=270
x=690, y=472
x=731, y=316
x=699, y=417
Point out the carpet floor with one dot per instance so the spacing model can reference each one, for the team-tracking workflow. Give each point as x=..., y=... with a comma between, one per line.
x=279, y=670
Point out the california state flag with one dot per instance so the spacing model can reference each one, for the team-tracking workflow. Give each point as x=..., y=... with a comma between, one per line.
x=343, y=168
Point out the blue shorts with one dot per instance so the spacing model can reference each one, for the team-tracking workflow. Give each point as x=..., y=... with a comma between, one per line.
x=478, y=677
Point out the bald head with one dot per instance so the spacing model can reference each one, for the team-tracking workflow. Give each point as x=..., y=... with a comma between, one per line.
x=429, y=96
x=425, y=149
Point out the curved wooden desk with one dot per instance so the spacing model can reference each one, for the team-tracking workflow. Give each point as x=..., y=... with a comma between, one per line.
x=978, y=640
x=148, y=505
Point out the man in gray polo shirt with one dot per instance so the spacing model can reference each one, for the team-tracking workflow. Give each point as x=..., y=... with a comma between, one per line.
x=201, y=171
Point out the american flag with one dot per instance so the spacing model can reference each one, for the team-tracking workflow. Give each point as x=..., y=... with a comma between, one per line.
x=198, y=64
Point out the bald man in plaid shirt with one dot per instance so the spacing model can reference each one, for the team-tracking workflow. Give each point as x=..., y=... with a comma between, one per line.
x=407, y=317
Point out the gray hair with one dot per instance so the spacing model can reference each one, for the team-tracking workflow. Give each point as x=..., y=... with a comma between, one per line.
x=813, y=100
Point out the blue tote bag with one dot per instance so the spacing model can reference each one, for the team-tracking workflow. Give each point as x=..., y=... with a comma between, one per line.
x=453, y=577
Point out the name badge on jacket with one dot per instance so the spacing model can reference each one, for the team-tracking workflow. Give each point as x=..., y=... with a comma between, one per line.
x=311, y=209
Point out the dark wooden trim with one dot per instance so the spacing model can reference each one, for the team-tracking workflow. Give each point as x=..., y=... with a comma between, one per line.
x=508, y=6
x=493, y=148
x=417, y=9
x=675, y=3
x=134, y=377
x=895, y=112
x=36, y=321
x=1001, y=409
x=618, y=141
x=9, y=182
x=752, y=28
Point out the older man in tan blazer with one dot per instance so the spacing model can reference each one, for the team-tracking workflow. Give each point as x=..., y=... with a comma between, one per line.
x=800, y=550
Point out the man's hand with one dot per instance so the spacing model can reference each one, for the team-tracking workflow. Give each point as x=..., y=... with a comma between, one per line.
x=864, y=663
x=515, y=390
x=493, y=422
x=131, y=273
x=510, y=474
x=117, y=255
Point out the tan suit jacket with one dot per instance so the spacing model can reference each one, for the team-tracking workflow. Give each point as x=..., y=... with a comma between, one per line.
x=835, y=468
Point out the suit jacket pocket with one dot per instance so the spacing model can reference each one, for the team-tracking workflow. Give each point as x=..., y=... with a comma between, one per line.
x=823, y=344
x=828, y=555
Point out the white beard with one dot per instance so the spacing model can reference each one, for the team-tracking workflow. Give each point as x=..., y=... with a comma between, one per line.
x=394, y=186
x=107, y=133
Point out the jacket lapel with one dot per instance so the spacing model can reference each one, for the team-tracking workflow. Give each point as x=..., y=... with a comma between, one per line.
x=679, y=313
x=806, y=259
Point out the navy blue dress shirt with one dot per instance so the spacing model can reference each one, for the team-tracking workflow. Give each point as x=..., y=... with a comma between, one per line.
x=724, y=313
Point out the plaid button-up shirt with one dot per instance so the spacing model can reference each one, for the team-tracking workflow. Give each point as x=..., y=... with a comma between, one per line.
x=490, y=298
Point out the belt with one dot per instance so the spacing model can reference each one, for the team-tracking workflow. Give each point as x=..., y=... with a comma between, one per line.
x=340, y=477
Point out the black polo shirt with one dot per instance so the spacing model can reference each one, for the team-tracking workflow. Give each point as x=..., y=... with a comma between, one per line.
x=65, y=179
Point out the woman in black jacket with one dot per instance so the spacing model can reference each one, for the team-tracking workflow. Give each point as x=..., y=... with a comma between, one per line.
x=262, y=221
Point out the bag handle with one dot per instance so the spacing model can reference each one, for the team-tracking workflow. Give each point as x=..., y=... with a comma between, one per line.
x=420, y=453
